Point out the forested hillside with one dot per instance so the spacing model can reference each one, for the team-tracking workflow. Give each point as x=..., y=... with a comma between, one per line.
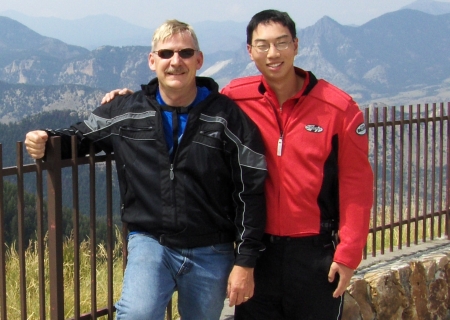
x=30, y=218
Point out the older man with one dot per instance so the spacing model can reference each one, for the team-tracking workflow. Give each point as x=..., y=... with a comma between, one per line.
x=191, y=172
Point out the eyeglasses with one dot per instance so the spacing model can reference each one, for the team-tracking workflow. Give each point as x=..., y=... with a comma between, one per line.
x=183, y=53
x=264, y=47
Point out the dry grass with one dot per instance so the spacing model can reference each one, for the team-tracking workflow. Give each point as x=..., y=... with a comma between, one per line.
x=397, y=238
x=32, y=279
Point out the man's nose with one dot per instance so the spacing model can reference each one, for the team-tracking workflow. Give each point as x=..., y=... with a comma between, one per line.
x=273, y=51
x=176, y=59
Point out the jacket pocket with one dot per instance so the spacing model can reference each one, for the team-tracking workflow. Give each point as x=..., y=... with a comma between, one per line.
x=210, y=138
x=137, y=133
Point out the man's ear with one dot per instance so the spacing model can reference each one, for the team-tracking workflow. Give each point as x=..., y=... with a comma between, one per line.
x=199, y=57
x=249, y=50
x=151, y=61
x=296, y=45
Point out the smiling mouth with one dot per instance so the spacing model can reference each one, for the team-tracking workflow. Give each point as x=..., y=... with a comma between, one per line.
x=175, y=72
x=274, y=65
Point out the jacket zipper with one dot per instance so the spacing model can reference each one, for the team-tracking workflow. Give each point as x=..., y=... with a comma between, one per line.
x=280, y=139
x=171, y=174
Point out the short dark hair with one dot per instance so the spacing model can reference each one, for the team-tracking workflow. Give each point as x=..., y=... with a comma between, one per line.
x=268, y=16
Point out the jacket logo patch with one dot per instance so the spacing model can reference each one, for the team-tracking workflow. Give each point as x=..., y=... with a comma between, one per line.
x=361, y=130
x=313, y=128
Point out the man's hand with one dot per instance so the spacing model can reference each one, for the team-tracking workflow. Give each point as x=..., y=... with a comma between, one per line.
x=35, y=143
x=110, y=95
x=345, y=275
x=240, y=285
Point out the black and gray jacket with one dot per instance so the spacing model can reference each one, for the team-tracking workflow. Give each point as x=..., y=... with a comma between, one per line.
x=212, y=192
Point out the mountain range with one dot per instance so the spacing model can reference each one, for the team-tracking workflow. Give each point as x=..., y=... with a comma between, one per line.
x=398, y=58
x=96, y=31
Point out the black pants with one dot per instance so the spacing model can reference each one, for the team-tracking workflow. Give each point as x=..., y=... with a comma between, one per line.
x=291, y=281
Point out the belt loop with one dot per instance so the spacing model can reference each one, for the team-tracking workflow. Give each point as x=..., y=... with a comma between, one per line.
x=162, y=240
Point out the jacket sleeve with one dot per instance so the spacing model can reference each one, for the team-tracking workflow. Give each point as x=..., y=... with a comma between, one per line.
x=92, y=130
x=355, y=188
x=248, y=175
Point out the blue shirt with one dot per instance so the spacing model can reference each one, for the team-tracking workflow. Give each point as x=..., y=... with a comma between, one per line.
x=202, y=93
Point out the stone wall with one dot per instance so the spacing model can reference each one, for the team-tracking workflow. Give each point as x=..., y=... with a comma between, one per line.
x=410, y=287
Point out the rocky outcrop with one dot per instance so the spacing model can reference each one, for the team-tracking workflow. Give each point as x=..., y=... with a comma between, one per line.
x=416, y=288
x=20, y=100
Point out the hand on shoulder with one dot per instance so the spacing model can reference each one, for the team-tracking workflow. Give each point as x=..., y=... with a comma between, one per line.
x=112, y=94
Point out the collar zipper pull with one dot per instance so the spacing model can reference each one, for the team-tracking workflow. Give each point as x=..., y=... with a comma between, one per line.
x=280, y=146
x=172, y=174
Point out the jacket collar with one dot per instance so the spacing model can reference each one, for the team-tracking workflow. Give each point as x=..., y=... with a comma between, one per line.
x=312, y=81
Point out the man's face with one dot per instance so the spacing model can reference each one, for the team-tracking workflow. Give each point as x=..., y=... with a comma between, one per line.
x=175, y=72
x=273, y=64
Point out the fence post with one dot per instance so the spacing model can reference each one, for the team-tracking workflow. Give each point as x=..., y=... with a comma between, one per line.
x=3, y=313
x=54, y=185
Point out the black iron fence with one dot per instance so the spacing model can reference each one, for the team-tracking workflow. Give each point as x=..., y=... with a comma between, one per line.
x=410, y=156
x=409, y=152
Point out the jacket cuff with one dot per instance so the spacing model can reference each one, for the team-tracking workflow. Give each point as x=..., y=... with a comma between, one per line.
x=245, y=261
x=348, y=257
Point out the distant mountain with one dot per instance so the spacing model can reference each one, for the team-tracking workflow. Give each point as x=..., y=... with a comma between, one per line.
x=95, y=31
x=402, y=51
x=89, y=32
x=16, y=38
x=430, y=6
x=399, y=58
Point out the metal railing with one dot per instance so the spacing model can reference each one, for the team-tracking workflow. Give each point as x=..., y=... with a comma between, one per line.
x=409, y=152
x=409, y=149
x=53, y=166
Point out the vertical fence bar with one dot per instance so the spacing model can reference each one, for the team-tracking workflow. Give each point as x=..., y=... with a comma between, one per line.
x=76, y=229
x=169, y=315
x=3, y=311
x=125, y=245
x=93, y=238
x=401, y=177
x=392, y=195
x=447, y=196
x=409, y=197
x=40, y=238
x=433, y=171
x=441, y=166
x=366, y=122
x=425, y=176
x=53, y=152
x=21, y=231
x=383, y=181
x=109, y=240
x=417, y=184
x=375, y=168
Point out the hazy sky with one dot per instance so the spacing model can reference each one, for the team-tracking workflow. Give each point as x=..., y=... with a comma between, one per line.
x=150, y=13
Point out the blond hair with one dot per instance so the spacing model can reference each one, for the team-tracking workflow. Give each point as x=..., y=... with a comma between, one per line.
x=170, y=28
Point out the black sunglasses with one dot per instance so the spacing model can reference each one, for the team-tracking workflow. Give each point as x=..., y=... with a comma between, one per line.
x=183, y=53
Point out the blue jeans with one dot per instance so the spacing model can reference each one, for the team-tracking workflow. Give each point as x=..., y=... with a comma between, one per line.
x=154, y=272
